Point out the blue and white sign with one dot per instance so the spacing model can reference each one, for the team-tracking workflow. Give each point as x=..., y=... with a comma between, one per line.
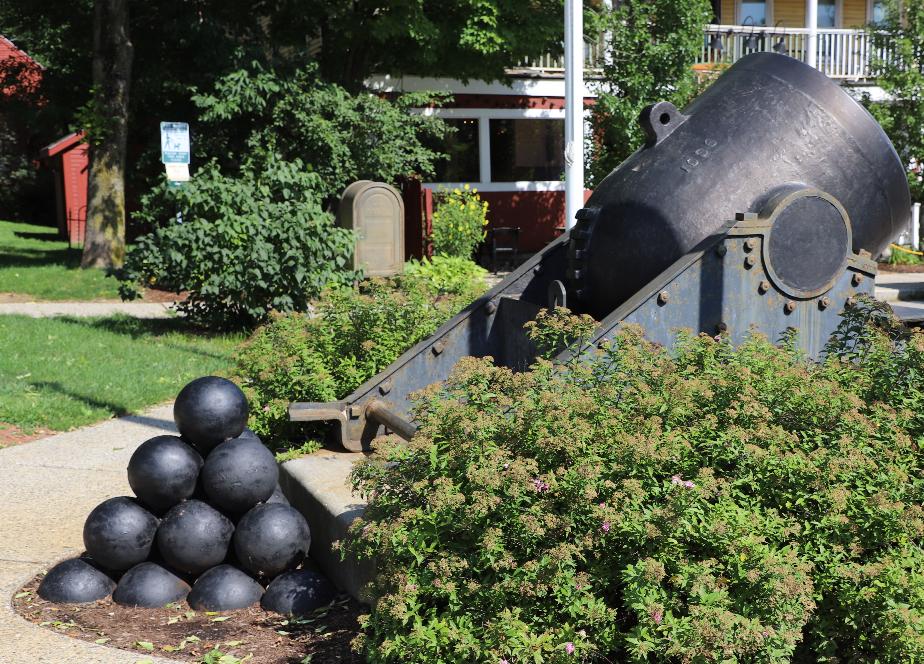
x=174, y=142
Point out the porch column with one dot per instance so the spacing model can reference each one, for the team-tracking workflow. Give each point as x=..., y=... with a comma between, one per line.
x=574, y=109
x=811, y=23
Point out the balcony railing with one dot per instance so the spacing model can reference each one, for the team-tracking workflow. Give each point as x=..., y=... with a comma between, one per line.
x=845, y=54
x=842, y=53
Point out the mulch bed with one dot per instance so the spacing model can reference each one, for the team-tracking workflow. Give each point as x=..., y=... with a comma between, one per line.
x=154, y=295
x=177, y=632
x=888, y=267
x=11, y=435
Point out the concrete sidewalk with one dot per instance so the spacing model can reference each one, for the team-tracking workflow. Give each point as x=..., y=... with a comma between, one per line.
x=47, y=489
x=87, y=309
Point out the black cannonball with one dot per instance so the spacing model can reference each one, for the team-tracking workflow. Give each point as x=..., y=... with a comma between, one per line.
x=224, y=588
x=75, y=581
x=163, y=471
x=194, y=536
x=238, y=474
x=119, y=533
x=298, y=593
x=210, y=410
x=278, y=496
x=271, y=538
x=150, y=586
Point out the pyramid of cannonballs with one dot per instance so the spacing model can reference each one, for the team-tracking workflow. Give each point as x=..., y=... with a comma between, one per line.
x=208, y=522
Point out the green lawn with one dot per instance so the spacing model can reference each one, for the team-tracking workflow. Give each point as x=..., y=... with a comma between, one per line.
x=34, y=262
x=61, y=373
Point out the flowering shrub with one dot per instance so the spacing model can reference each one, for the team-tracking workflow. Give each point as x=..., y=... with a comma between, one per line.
x=351, y=335
x=459, y=222
x=696, y=505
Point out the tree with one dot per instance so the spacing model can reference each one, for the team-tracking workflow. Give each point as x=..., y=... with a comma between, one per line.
x=104, y=243
x=901, y=76
x=466, y=39
x=652, y=47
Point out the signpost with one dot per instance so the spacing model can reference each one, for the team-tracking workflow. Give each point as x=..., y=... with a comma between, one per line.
x=174, y=151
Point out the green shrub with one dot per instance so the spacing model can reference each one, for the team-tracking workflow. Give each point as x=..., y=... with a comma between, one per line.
x=696, y=505
x=448, y=275
x=459, y=222
x=351, y=335
x=899, y=257
x=245, y=246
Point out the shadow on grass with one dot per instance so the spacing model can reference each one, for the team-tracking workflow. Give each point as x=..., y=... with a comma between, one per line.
x=149, y=328
x=50, y=236
x=118, y=410
x=38, y=258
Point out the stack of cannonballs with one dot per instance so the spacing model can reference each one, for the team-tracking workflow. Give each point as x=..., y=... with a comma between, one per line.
x=211, y=531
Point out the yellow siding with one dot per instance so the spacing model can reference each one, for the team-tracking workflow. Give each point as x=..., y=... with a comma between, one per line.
x=854, y=13
x=789, y=13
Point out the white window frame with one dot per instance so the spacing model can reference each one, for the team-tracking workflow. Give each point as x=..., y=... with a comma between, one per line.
x=484, y=117
x=838, y=14
x=739, y=18
x=869, y=10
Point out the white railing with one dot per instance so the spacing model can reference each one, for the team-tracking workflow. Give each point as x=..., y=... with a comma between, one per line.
x=842, y=53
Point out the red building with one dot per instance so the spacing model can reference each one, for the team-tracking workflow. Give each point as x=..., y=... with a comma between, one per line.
x=69, y=160
x=508, y=144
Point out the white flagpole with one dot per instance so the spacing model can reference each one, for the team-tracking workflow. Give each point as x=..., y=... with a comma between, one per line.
x=574, y=109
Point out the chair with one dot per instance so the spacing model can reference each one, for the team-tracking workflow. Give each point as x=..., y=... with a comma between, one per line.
x=504, y=241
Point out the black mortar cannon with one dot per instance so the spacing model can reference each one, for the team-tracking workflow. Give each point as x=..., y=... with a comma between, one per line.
x=758, y=207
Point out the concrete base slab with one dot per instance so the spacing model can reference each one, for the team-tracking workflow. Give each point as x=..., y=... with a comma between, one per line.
x=318, y=485
x=47, y=488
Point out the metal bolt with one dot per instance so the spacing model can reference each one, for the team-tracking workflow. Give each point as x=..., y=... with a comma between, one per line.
x=857, y=279
x=722, y=327
x=537, y=269
x=824, y=302
x=851, y=302
x=385, y=387
x=663, y=297
x=750, y=243
x=789, y=307
x=749, y=261
x=438, y=347
x=491, y=307
x=763, y=286
x=721, y=250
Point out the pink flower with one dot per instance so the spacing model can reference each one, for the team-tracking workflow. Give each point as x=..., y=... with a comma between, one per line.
x=503, y=661
x=266, y=408
x=675, y=479
x=506, y=466
x=657, y=616
x=569, y=648
x=689, y=484
x=602, y=505
x=540, y=486
x=605, y=527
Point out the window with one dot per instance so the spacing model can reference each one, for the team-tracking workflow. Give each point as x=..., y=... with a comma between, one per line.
x=827, y=13
x=461, y=146
x=527, y=150
x=878, y=12
x=753, y=12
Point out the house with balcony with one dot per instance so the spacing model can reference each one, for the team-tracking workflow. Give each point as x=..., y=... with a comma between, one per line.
x=509, y=142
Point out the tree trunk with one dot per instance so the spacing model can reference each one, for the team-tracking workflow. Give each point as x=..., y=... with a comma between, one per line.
x=104, y=245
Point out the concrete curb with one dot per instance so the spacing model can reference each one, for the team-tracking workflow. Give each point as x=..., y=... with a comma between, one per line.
x=318, y=485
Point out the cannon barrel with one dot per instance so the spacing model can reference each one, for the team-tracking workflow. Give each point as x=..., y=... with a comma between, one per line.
x=768, y=122
x=757, y=208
